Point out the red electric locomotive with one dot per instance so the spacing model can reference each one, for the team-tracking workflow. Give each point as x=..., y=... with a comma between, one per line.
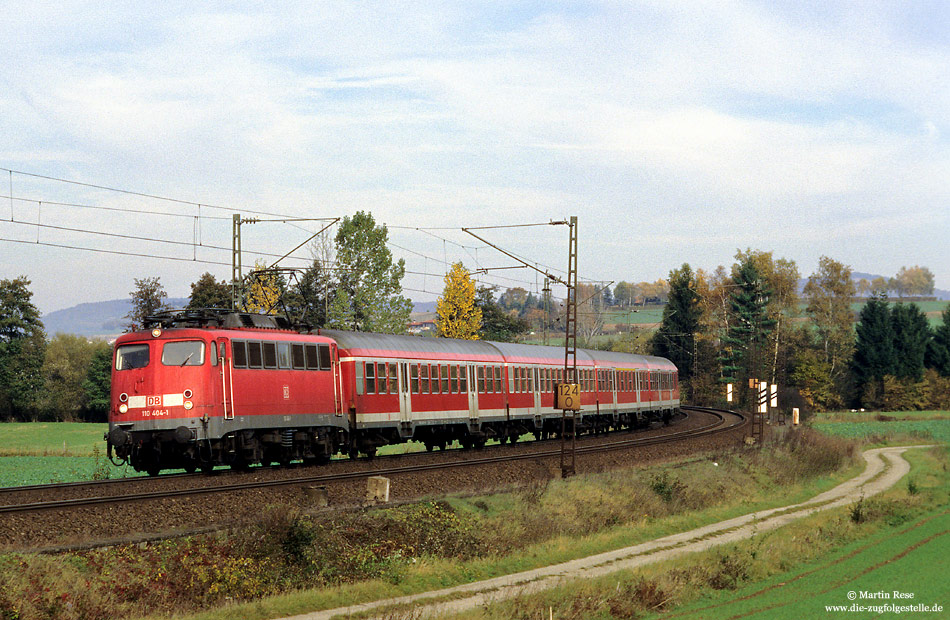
x=197, y=389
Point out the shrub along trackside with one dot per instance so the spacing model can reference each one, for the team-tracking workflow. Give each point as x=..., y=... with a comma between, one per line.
x=413, y=547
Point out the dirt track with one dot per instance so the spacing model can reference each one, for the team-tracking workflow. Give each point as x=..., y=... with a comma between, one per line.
x=885, y=467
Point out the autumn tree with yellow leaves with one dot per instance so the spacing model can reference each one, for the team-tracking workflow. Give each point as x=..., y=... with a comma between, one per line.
x=459, y=317
x=264, y=292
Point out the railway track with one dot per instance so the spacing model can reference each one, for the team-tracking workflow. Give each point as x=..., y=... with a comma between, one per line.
x=722, y=421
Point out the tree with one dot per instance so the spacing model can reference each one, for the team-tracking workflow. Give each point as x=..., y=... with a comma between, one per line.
x=514, y=299
x=914, y=281
x=744, y=345
x=591, y=314
x=829, y=293
x=676, y=337
x=368, y=295
x=938, y=352
x=147, y=299
x=879, y=287
x=911, y=336
x=497, y=324
x=263, y=295
x=206, y=292
x=65, y=369
x=874, y=344
x=624, y=294
x=459, y=317
x=781, y=277
x=22, y=350
x=96, y=397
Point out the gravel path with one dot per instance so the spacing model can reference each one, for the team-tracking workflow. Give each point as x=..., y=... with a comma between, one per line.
x=885, y=467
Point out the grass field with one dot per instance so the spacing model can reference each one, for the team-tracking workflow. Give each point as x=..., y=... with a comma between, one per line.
x=911, y=559
x=51, y=438
x=886, y=427
x=53, y=452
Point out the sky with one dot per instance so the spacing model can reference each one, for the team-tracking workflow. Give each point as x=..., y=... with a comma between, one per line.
x=676, y=132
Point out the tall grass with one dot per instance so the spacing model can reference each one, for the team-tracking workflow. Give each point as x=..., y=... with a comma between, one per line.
x=412, y=547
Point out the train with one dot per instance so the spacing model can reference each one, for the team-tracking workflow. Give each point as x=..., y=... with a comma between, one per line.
x=196, y=389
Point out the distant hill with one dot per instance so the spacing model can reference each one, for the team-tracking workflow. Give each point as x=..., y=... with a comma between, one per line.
x=95, y=319
x=107, y=318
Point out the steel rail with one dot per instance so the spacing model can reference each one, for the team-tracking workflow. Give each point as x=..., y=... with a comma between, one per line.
x=716, y=427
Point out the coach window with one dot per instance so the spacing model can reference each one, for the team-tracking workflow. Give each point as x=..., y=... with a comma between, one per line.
x=131, y=356
x=255, y=357
x=324, y=357
x=481, y=379
x=270, y=354
x=414, y=378
x=393, y=379
x=434, y=374
x=298, y=357
x=381, y=375
x=454, y=376
x=283, y=355
x=463, y=379
x=445, y=379
x=359, y=378
x=313, y=360
x=424, y=378
x=370, y=378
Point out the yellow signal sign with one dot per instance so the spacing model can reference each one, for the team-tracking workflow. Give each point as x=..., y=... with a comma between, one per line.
x=567, y=396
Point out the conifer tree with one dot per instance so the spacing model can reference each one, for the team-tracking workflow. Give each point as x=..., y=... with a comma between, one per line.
x=459, y=317
x=22, y=349
x=874, y=345
x=749, y=327
x=676, y=337
x=911, y=335
x=938, y=351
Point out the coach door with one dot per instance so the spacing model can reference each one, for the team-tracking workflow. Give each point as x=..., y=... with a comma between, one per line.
x=472, y=395
x=535, y=372
x=224, y=390
x=613, y=387
x=405, y=401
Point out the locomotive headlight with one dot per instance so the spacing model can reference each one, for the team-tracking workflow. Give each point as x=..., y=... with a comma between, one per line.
x=156, y=333
x=187, y=393
x=123, y=397
x=188, y=405
x=123, y=408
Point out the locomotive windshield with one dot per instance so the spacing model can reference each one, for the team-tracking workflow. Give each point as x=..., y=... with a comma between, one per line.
x=185, y=353
x=131, y=356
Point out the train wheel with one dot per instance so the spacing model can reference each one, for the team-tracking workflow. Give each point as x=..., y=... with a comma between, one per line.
x=207, y=467
x=153, y=469
x=190, y=467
